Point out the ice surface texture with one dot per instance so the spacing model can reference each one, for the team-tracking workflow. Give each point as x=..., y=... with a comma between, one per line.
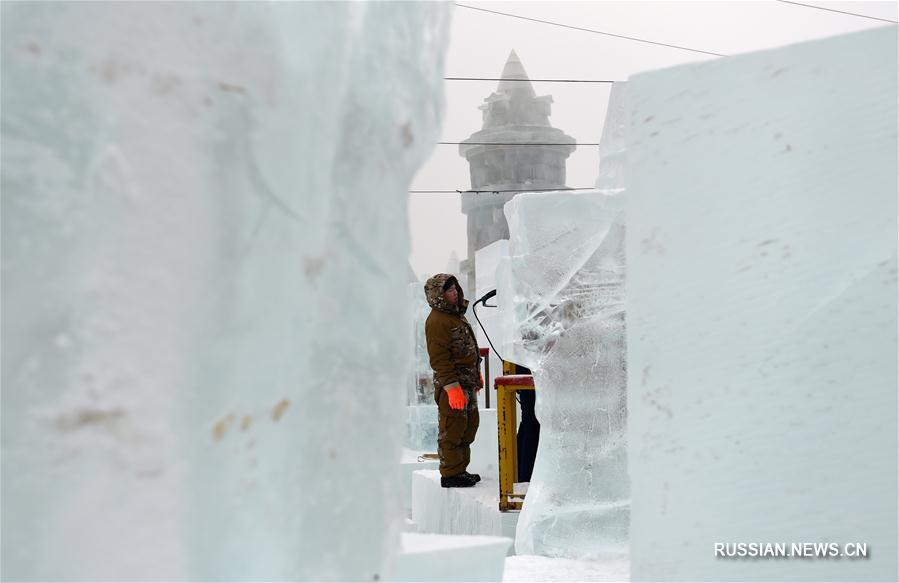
x=421, y=419
x=562, y=312
x=204, y=285
x=762, y=310
x=421, y=377
x=567, y=310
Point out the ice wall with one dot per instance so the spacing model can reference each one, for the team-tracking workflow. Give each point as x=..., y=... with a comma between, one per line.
x=761, y=252
x=565, y=298
x=204, y=267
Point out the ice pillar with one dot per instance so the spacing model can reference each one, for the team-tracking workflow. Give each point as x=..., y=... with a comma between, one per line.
x=204, y=282
x=567, y=269
x=563, y=301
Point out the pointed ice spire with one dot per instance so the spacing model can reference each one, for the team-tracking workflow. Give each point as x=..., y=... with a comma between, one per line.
x=515, y=70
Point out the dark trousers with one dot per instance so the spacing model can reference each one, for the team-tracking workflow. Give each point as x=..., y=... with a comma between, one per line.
x=528, y=435
x=457, y=430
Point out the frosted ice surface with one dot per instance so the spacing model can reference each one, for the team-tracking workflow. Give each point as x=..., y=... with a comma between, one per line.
x=486, y=263
x=421, y=419
x=421, y=427
x=204, y=268
x=613, y=145
x=566, y=304
x=762, y=223
x=562, y=312
x=467, y=511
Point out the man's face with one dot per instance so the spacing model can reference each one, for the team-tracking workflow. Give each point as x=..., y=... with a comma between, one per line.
x=451, y=296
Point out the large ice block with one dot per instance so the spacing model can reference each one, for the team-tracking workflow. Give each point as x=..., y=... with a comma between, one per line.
x=204, y=252
x=565, y=303
x=761, y=245
x=469, y=511
x=613, y=144
x=410, y=464
x=434, y=557
x=489, y=331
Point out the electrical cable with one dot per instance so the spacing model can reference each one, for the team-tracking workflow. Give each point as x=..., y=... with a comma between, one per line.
x=838, y=11
x=497, y=191
x=518, y=143
x=474, y=309
x=594, y=31
x=528, y=80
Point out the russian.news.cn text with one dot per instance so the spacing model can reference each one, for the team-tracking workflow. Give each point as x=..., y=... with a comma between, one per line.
x=808, y=550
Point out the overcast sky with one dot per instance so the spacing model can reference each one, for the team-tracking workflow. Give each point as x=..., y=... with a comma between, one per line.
x=480, y=43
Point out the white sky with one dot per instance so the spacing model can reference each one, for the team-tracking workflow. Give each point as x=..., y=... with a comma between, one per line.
x=480, y=43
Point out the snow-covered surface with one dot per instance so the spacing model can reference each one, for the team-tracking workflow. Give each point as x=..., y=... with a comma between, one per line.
x=565, y=306
x=435, y=557
x=471, y=511
x=204, y=251
x=762, y=310
x=613, y=567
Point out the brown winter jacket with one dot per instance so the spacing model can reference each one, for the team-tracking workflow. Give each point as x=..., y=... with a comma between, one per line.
x=452, y=346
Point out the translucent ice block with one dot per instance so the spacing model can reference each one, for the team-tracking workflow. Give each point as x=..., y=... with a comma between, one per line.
x=762, y=222
x=563, y=294
x=204, y=251
x=420, y=384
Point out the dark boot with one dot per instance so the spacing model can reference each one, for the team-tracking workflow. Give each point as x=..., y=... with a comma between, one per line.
x=457, y=481
x=473, y=477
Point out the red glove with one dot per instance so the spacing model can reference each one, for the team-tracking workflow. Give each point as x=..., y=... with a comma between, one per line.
x=482, y=381
x=457, y=398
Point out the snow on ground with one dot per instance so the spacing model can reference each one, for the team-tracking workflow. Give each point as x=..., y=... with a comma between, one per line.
x=536, y=568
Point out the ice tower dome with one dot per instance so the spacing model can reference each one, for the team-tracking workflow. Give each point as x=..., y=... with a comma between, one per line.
x=512, y=115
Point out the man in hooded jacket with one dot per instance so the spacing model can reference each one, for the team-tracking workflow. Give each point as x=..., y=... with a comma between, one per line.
x=455, y=359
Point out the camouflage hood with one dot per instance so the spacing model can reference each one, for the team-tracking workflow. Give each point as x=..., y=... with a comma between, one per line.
x=434, y=293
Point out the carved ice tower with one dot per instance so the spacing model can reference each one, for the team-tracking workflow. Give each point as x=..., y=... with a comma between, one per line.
x=514, y=117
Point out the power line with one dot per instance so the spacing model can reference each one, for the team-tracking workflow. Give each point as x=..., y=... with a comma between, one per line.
x=457, y=191
x=518, y=143
x=838, y=11
x=594, y=31
x=528, y=80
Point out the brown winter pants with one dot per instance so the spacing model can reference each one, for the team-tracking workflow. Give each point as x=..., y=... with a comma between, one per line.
x=457, y=430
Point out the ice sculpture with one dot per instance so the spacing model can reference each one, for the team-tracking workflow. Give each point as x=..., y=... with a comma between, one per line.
x=562, y=311
x=567, y=294
x=761, y=253
x=204, y=280
x=421, y=377
x=421, y=410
